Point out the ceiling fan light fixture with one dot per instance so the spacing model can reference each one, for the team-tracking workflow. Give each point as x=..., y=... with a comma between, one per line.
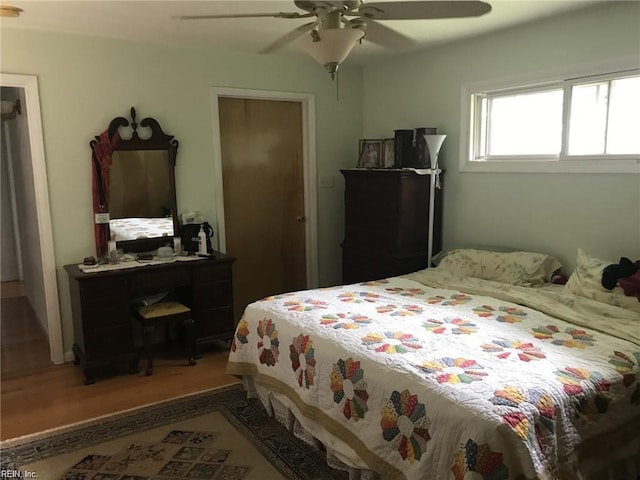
x=334, y=46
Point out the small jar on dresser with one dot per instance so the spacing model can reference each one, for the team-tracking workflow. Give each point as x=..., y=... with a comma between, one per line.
x=386, y=229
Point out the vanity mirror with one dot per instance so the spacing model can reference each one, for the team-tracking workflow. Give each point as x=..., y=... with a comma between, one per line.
x=134, y=188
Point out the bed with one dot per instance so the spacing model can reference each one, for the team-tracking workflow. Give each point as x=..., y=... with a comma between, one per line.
x=442, y=375
x=137, y=228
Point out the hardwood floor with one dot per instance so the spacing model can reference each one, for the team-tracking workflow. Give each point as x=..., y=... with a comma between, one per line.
x=36, y=395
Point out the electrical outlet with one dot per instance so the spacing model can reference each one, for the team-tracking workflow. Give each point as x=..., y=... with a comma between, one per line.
x=327, y=181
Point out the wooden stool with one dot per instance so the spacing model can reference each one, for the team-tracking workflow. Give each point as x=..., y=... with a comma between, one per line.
x=150, y=316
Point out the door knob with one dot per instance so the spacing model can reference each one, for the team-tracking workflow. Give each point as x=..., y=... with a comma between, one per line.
x=301, y=218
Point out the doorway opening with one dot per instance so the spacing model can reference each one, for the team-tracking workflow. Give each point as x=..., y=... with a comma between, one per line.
x=29, y=225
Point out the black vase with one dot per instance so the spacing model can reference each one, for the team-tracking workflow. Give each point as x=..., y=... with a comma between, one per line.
x=404, y=150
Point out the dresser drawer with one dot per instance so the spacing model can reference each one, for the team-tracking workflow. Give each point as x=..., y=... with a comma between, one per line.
x=214, y=294
x=160, y=280
x=212, y=273
x=363, y=266
x=371, y=208
x=104, y=313
x=214, y=322
x=108, y=343
x=372, y=184
x=103, y=287
x=370, y=236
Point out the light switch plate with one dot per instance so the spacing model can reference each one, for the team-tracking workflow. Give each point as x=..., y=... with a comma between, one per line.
x=102, y=217
x=327, y=181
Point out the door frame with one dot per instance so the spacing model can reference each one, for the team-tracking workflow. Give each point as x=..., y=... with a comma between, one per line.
x=43, y=211
x=308, y=165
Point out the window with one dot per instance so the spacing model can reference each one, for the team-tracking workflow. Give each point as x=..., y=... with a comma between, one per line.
x=604, y=117
x=521, y=123
x=587, y=121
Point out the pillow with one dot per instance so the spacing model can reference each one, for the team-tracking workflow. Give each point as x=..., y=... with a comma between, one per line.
x=586, y=281
x=515, y=268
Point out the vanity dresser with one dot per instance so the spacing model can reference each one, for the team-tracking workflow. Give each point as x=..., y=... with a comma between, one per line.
x=103, y=329
x=134, y=201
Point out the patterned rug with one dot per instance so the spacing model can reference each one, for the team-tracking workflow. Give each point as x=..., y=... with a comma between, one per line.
x=217, y=434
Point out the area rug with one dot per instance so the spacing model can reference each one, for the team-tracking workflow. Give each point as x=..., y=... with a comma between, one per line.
x=218, y=434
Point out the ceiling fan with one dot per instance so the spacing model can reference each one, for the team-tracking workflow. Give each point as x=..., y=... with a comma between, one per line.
x=339, y=25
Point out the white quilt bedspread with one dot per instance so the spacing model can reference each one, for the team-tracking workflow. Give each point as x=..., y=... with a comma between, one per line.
x=430, y=383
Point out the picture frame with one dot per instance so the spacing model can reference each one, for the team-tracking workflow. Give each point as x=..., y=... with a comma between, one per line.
x=388, y=153
x=370, y=153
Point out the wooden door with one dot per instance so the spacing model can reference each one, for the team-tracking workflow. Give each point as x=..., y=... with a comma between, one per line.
x=262, y=175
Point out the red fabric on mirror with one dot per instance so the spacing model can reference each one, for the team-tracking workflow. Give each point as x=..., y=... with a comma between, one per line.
x=101, y=160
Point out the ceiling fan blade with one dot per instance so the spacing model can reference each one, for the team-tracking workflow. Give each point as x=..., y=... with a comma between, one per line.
x=386, y=37
x=289, y=37
x=246, y=15
x=422, y=10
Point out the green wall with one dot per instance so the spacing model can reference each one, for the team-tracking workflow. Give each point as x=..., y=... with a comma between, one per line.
x=554, y=213
x=86, y=81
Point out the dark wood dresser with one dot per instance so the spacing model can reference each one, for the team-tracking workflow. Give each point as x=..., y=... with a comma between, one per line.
x=387, y=223
x=101, y=306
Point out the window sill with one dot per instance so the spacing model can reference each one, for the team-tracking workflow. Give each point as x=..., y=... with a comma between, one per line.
x=552, y=166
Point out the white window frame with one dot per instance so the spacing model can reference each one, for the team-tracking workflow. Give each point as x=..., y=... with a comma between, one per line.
x=539, y=81
x=568, y=90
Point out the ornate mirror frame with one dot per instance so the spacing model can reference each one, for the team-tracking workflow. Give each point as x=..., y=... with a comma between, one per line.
x=103, y=146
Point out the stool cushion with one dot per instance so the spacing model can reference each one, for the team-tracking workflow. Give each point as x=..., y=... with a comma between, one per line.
x=162, y=309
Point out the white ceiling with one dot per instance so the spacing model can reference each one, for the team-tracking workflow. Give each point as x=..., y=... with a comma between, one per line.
x=154, y=21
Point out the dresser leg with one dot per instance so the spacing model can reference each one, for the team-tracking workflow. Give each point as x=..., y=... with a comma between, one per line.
x=190, y=327
x=147, y=333
x=133, y=366
x=89, y=379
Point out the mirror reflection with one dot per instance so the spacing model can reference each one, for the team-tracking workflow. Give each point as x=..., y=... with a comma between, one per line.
x=140, y=195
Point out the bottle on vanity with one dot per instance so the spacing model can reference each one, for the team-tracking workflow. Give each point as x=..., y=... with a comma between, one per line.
x=202, y=241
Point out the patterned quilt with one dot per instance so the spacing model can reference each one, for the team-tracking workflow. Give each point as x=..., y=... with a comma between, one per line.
x=424, y=382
